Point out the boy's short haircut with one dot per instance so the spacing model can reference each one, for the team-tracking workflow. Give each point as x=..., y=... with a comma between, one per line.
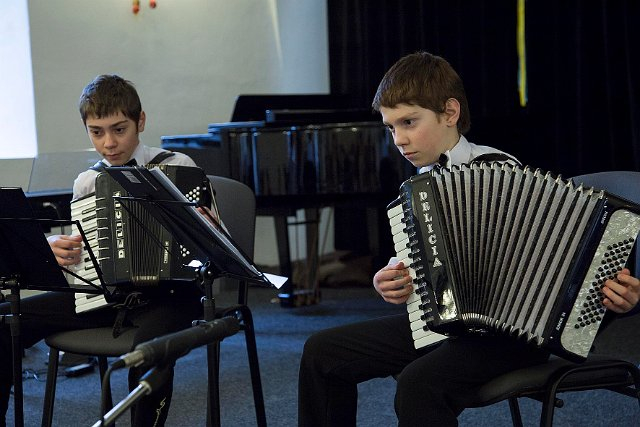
x=107, y=95
x=425, y=80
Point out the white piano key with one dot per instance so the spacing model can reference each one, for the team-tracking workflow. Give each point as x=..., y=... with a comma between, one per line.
x=427, y=339
x=400, y=239
x=414, y=297
x=92, y=304
x=84, y=211
x=415, y=316
x=400, y=246
x=394, y=211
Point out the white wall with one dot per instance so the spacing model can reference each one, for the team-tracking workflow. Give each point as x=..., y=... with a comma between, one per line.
x=17, y=119
x=189, y=60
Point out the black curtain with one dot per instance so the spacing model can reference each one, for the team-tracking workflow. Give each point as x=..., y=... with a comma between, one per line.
x=583, y=71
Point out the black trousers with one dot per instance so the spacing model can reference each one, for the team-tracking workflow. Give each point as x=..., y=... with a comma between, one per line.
x=433, y=384
x=52, y=312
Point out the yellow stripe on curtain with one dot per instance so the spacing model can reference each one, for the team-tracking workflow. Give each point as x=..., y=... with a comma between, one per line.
x=522, y=55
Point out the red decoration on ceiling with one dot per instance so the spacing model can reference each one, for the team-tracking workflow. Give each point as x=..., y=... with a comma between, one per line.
x=136, y=5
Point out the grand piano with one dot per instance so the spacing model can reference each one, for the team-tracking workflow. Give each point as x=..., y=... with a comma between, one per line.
x=306, y=152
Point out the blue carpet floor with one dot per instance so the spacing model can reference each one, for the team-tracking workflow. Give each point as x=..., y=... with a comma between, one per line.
x=281, y=333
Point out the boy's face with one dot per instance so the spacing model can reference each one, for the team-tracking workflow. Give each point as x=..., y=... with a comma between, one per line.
x=420, y=134
x=115, y=137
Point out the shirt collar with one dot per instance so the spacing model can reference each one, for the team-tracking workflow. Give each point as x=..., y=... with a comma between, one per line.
x=460, y=153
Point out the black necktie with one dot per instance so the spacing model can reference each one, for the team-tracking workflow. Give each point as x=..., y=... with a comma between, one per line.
x=131, y=162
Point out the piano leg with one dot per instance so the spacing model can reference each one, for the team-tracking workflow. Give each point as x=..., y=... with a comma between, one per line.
x=310, y=287
x=284, y=257
x=303, y=288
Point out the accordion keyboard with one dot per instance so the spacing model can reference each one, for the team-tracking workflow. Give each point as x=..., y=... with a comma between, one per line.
x=422, y=336
x=85, y=211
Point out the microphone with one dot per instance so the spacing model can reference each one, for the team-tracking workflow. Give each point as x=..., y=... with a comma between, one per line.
x=169, y=348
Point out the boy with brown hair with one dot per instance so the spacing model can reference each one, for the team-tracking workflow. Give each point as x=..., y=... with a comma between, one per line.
x=112, y=114
x=423, y=103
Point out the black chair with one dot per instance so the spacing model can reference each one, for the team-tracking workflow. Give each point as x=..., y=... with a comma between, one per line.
x=237, y=206
x=236, y=203
x=613, y=361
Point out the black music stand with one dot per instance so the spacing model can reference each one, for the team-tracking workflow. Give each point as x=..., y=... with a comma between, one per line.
x=219, y=255
x=26, y=262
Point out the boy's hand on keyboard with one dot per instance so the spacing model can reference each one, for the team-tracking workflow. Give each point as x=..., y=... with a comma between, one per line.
x=66, y=248
x=393, y=283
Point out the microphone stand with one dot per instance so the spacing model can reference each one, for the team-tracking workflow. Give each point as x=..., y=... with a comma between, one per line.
x=149, y=381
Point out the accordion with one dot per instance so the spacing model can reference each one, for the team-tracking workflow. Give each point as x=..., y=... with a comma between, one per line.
x=501, y=249
x=132, y=249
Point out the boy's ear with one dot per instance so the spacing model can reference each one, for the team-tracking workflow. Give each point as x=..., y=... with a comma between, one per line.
x=452, y=112
x=141, y=121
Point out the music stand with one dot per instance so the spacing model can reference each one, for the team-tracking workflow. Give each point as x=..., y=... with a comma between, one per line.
x=26, y=262
x=219, y=255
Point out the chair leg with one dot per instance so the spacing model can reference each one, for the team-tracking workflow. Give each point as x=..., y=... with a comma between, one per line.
x=254, y=367
x=549, y=404
x=50, y=388
x=514, y=407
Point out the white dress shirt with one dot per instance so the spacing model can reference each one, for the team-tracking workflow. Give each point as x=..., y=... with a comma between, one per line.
x=85, y=183
x=464, y=152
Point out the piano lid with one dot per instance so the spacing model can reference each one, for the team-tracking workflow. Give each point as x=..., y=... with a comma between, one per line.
x=257, y=111
x=253, y=107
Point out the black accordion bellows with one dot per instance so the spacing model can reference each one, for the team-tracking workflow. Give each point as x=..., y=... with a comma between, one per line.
x=497, y=248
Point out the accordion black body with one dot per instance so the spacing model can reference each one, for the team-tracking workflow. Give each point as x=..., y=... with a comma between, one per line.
x=503, y=249
x=132, y=248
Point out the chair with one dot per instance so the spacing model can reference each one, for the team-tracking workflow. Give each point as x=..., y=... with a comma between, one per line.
x=236, y=203
x=612, y=363
x=237, y=206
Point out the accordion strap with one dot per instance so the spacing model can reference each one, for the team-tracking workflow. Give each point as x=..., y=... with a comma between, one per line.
x=159, y=158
